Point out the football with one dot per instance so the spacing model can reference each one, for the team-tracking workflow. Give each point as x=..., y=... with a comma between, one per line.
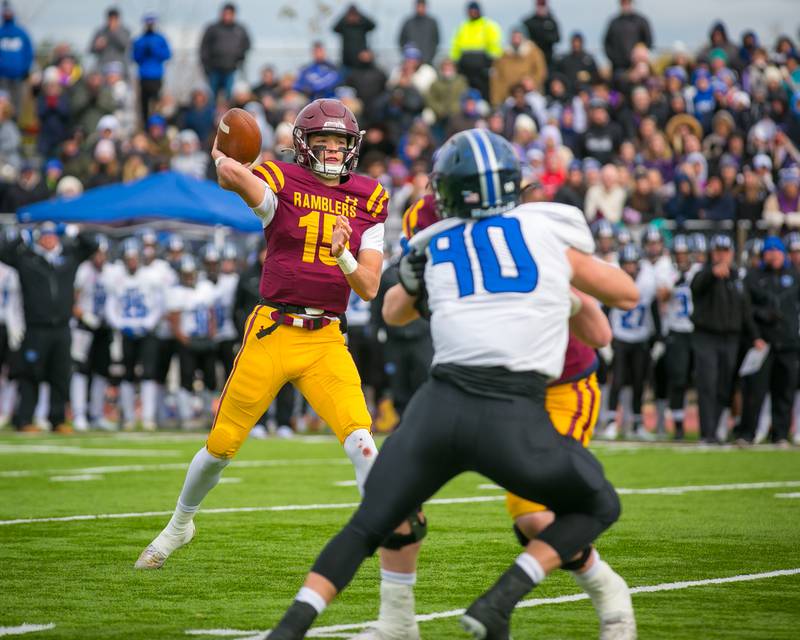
x=238, y=136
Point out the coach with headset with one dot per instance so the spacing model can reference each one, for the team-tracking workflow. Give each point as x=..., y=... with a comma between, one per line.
x=46, y=268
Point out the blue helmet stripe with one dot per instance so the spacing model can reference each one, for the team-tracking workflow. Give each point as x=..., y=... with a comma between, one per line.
x=490, y=168
x=494, y=164
x=480, y=162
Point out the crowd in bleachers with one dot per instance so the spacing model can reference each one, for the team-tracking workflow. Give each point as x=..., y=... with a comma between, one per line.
x=661, y=138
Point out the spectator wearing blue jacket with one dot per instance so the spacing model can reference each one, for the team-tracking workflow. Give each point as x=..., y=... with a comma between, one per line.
x=320, y=78
x=150, y=51
x=16, y=55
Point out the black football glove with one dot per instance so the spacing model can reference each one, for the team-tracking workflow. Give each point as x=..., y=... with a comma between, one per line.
x=412, y=269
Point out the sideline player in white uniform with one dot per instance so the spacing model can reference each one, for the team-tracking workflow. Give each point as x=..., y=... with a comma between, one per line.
x=498, y=288
x=679, y=329
x=164, y=273
x=12, y=331
x=190, y=311
x=632, y=331
x=134, y=308
x=220, y=271
x=91, y=339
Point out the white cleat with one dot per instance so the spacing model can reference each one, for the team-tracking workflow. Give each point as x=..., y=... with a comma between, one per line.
x=396, y=619
x=610, y=432
x=156, y=553
x=378, y=633
x=80, y=423
x=284, y=432
x=622, y=628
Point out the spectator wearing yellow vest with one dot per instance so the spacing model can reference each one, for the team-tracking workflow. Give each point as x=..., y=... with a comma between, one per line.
x=476, y=44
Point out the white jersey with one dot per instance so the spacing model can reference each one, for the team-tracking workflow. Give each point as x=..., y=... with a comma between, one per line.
x=498, y=287
x=678, y=314
x=358, y=311
x=637, y=324
x=90, y=285
x=662, y=271
x=133, y=301
x=224, y=297
x=11, y=313
x=195, y=306
x=163, y=272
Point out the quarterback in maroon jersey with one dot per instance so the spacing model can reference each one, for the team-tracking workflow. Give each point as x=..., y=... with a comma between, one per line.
x=323, y=227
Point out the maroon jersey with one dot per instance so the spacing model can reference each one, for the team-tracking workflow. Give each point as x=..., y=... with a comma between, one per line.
x=299, y=268
x=419, y=215
x=579, y=361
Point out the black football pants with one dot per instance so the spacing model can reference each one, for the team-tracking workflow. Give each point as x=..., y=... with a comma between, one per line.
x=778, y=375
x=445, y=432
x=715, y=371
x=44, y=357
x=678, y=357
x=631, y=360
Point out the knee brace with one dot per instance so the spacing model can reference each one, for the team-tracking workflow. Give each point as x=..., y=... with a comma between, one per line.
x=419, y=529
x=574, y=565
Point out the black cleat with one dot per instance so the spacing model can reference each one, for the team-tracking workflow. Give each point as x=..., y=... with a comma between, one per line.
x=489, y=617
x=484, y=622
x=295, y=622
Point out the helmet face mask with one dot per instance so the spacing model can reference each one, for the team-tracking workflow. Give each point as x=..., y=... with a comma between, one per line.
x=326, y=117
x=476, y=174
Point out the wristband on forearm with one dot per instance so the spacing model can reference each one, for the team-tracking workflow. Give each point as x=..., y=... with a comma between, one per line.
x=347, y=262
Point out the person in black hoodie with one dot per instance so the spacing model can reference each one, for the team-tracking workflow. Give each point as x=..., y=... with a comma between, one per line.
x=625, y=31
x=353, y=27
x=543, y=30
x=722, y=314
x=774, y=289
x=46, y=270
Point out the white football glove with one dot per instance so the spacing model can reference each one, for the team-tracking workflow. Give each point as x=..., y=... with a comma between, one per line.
x=90, y=320
x=657, y=351
x=606, y=353
x=15, y=337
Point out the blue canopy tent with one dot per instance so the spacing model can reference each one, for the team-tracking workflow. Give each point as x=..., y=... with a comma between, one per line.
x=162, y=196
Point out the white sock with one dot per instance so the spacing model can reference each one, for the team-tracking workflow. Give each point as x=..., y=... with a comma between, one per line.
x=531, y=566
x=360, y=448
x=97, y=397
x=78, y=395
x=606, y=588
x=626, y=400
x=678, y=415
x=127, y=401
x=661, y=416
x=8, y=397
x=764, y=419
x=201, y=477
x=586, y=575
x=43, y=403
x=149, y=395
x=184, y=404
x=309, y=596
x=395, y=577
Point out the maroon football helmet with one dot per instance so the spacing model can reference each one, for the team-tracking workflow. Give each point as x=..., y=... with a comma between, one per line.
x=328, y=116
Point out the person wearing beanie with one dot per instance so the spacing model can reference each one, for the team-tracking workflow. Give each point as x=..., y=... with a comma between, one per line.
x=774, y=290
x=150, y=51
x=475, y=45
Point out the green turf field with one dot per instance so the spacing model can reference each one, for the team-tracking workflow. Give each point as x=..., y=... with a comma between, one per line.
x=244, y=566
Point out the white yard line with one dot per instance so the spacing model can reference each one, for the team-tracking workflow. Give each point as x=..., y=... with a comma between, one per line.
x=171, y=466
x=437, y=501
x=25, y=628
x=788, y=495
x=50, y=449
x=329, y=631
x=85, y=477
